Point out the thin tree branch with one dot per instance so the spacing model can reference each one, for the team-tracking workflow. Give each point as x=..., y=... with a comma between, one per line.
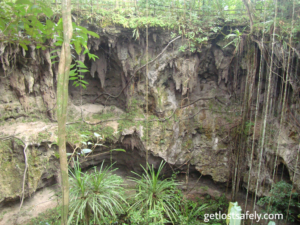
x=24, y=175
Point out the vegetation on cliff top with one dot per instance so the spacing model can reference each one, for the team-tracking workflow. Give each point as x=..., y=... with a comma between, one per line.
x=27, y=22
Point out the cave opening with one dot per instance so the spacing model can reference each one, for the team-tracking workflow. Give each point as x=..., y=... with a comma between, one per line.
x=282, y=173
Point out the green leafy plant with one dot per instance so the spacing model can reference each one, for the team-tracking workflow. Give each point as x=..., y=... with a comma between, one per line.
x=153, y=194
x=79, y=42
x=153, y=217
x=136, y=34
x=190, y=211
x=214, y=204
x=248, y=127
x=279, y=200
x=75, y=74
x=97, y=195
x=237, y=35
x=20, y=23
x=182, y=48
x=56, y=154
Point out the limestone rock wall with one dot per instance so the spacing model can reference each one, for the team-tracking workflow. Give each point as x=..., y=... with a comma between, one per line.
x=193, y=109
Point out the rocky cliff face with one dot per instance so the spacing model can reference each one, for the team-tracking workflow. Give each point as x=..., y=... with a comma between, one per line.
x=188, y=113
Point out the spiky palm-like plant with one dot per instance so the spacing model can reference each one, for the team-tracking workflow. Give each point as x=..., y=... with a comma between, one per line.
x=96, y=195
x=153, y=194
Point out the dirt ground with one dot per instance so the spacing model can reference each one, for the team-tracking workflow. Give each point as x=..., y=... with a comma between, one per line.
x=38, y=203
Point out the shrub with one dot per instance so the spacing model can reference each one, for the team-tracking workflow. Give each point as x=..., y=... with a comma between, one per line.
x=97, y=196
x=214, y=205
x=190, y=211
x=279, y=200
x=155, y=199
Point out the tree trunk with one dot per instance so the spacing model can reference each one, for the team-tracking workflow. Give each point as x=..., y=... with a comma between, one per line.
x=62, y=102
x=247, y=3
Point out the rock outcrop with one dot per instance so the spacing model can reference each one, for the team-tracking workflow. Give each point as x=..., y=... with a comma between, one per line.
x=186, y=115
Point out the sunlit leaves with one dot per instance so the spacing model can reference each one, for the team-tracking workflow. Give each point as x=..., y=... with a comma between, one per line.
x=78, y=47
x=75, y=74
x=2, y=24
x=80, y=64
x=21, y=22
x=24, y=46
x=20, y=2
x=92, y=34
x=237, y=38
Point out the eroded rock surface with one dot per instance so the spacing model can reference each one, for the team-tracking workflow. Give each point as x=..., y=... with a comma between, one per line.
x=192, y=111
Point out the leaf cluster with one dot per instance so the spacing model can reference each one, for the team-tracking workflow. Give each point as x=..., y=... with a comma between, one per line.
x=96, y=196
x=75, y=74
x=25, y=21
x=155, y=194
x=281, y=199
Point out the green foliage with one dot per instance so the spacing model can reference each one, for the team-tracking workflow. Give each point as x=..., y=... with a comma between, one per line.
x=190, y=212
x=182, y=48
x=75, y=74
x=196, y=21
x=237, y=39
x=21, y=22
x=279, y=200
x=154, y=195
x=214, y=205
x=79, y=38
x=248, y=126
x=103, y=116
x=97, y=195
x=56, y=154
x=30, y=22
x=153, y=217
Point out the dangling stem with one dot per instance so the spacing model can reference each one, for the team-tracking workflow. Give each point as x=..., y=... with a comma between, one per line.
x=284, y=97
x=266, y=110
x=256, y=110
x=147, y=89
x=293, y=179
x=147, y=83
